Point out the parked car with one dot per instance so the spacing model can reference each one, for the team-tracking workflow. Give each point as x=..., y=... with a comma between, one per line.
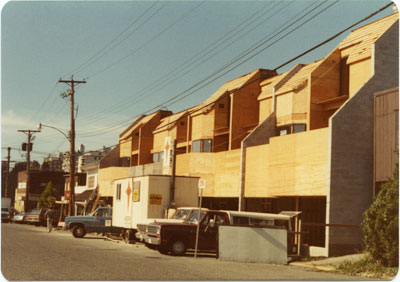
x=176, y=238
x=19, y=218
x=98, y=221
x=5, y=216
x=37, y=218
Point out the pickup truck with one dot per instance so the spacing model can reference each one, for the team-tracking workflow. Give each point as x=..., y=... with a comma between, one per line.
x=176, y=238
x=181, y=214
x=99, y=221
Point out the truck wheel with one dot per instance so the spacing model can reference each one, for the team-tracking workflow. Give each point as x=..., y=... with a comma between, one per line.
x=127, y=236
x=178, y=248
x=78, y=231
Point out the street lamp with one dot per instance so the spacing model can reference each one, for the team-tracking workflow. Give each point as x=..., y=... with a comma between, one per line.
x=71, y=168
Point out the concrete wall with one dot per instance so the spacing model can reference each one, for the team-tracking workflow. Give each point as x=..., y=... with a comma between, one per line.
x=252, y=244
x=147, y=169
x=352, y=151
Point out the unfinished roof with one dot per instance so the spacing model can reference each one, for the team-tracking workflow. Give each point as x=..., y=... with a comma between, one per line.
x=169, y=120
x=269, y=84
x=136, y=124
x=361, y=39
x=235, y=84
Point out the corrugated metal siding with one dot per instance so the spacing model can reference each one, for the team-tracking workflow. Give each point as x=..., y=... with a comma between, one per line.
x=386, y=150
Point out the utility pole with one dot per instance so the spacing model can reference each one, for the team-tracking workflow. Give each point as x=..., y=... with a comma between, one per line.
x=7, y=172
x=29, y=133
x=71, y=93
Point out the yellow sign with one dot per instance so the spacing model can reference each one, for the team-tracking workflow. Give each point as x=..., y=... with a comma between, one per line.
x=155, y=199
x=135, y=195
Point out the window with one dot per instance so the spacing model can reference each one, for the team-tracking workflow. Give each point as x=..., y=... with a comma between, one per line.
x=284, y=130
x=156, y=157
x=196, y=146
x=291, y=128
x=299, y=127
x=207, y=145
x=118, y=196
x=202, y=145
x=161, y=156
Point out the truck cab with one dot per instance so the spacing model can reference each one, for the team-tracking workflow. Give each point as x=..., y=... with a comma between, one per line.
x=99, y=221
x=176, y=238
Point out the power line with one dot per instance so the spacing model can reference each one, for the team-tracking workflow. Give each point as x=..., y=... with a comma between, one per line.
x=147, y=42
x=103, y=51
x=183, y=68
x=93, y=133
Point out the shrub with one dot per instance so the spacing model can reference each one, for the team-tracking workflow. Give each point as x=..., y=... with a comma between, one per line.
x=381, y=224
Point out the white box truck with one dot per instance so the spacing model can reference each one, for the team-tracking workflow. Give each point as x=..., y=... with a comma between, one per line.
x=138, y=199
x=6, y=204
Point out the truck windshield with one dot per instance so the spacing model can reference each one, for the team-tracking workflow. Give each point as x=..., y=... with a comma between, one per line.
x=181, y=214
x=194, y=217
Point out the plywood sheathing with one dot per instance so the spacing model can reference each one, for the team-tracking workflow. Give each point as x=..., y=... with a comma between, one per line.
x=359, y=43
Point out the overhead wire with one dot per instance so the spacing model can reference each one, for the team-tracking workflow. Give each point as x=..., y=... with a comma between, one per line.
x=147, y=42
x=180, y=96
x=209, y=76
x=187, y=66
x=174, y=72
x=113, y=43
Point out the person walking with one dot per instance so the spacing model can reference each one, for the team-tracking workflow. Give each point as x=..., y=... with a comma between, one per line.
x=49, y=215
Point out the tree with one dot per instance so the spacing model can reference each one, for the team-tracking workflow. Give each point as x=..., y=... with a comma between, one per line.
x=48, y=197
x=381, y=223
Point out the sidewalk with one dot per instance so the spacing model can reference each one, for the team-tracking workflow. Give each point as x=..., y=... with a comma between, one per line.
x=327, y=264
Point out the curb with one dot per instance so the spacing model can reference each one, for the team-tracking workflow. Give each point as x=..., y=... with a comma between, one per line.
x=313, y=266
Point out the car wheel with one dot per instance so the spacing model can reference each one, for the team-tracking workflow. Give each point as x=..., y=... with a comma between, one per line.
x=78, y=231
x=178, y=248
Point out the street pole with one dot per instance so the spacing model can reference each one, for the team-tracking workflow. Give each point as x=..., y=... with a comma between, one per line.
x=71, y=93
x=173, y=174
x=202, y=185
x=29, y=133
x=7, y=172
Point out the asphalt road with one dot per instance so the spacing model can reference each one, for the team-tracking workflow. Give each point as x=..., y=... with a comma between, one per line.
x=30, y=253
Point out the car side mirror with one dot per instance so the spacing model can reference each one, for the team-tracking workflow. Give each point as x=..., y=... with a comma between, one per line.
x=212, y=223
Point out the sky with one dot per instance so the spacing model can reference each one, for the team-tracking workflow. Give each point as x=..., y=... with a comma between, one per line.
x=136, y=56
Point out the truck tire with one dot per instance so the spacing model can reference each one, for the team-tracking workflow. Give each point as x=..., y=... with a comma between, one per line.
x=178, y=247
x=128, y=236
x=78, y=231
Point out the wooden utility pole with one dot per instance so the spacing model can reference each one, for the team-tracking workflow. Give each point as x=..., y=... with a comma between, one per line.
x=71, y=93
x=29, y=133
x=7, y=172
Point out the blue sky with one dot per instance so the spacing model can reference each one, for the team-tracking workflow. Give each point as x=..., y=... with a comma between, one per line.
x=135, y=55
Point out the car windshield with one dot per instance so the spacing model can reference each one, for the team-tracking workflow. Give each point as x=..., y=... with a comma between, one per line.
x=194, y=217
x=35, y=212
x=181, y=214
